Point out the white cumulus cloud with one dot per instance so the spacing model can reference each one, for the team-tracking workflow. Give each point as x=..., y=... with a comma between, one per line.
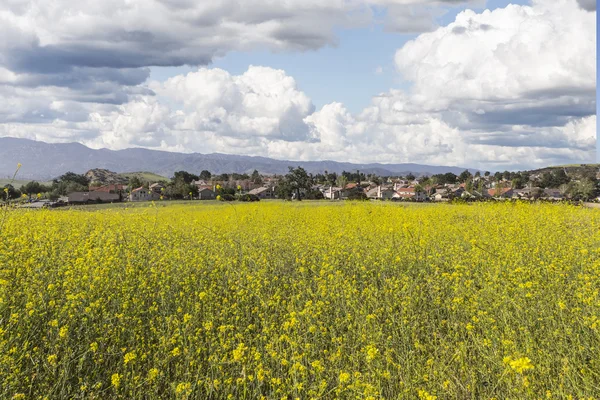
x=509, y=88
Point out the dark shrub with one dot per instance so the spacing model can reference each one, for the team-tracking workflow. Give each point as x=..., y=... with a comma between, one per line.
x=249, y=197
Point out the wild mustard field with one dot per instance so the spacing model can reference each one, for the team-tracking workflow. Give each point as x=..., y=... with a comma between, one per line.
x=274, y=300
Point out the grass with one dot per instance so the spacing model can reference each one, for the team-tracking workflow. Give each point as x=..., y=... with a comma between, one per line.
x=144, y=176
x=575, y=165
x=205, y=203
x=19, y=182
x=140, y=205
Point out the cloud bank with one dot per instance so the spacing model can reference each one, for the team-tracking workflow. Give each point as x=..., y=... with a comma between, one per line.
x=509, y=88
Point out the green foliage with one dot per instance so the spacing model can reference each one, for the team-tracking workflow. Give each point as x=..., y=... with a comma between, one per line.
x=205, y=175
x=554, y=179
x=9, y=192
x=135, y=182
x=248, y=198
x=68, y=183
x=184, y=176
x=298, y=182
x=354, y=176
x=179, y=189
x=144, y=176
x=32, y=188
x=256, y=178
x=356, y=194
x=582, y=190
x=447, y=178
x=71, y=177
x=465, y=176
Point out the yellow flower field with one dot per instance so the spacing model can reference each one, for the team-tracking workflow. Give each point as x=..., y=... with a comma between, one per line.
x=281, y=300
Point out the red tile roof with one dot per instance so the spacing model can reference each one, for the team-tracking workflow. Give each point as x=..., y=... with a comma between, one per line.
x=492, y=192
x=107, y=188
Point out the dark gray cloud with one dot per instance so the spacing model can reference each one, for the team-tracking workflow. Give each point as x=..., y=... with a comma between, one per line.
x=534, y=115
x=110, y=45
x=547, y=138
x=589, y=5
x=80, y=77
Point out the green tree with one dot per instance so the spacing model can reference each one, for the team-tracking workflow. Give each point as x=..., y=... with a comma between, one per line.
x=447, y=178
x=185, y=176
x=135, y=182
x=9, y=192
x=180, y=189
x=433, y=182
x=341, y=181
x=205, y=175
x=469, y=185
x=299, y=181
x=33, y=188
x=517, y=182
x=583, y=190
x=331, y=178
x=284, y=189
x=464, y=176
x=73, y=177
x=256, y=178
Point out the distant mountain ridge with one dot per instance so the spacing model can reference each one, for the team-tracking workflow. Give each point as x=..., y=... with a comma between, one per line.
x=45, y=161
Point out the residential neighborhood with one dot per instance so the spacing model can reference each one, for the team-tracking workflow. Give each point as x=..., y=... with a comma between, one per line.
x=550, y=185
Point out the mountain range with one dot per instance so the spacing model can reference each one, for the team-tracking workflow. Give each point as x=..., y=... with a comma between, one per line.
x=45, y=161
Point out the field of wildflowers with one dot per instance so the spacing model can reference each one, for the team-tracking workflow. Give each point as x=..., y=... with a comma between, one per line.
x=279, y=300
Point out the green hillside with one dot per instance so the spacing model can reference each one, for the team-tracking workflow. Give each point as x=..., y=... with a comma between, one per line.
x=576, y=166
x=144, y=175
x=17, y=183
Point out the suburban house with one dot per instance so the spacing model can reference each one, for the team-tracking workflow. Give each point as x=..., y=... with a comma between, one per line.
x=113, y=188
x=380, y=193
x=553, y=194
x=527, y=193
x=93, y=197
x=200, y=182
x=206, y=193
x=441, y=194
x=157, y=187
x=332, y=193
x=246, y=185
x=505, y=193
x=473, y=194
x=143, y=194
x=263, y=192
x=410, y=193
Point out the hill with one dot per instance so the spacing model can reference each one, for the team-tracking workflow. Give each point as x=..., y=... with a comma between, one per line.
x=104, y=177
x=144, y=176
x=44, y=161
x=572, y=170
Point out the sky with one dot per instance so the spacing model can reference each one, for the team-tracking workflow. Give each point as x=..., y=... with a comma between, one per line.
x=484, y=84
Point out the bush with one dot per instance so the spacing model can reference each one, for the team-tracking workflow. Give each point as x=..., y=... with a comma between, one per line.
x=357, y=195
x=249, y=197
